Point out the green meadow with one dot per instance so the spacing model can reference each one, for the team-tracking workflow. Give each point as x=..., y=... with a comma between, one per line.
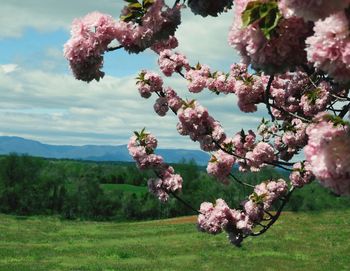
x=299, y=241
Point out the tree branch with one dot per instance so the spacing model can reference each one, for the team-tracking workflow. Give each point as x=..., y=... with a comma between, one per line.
x=345, y=110
x=184, y=202
x=240, y=182
x=110, y=49
x=267, y=97
x=276, y=216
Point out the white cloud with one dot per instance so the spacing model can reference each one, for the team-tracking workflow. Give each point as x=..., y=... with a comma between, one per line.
x=58, y=109
x=55, y=108
x=201, y=38
x=8, y=68
x=205, y=39
x=48, y=15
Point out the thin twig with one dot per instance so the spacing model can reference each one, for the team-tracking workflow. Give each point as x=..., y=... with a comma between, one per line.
x=267, y=97
x=340, y=97
x=240, y=182
x=290, y=113
x=114, y=48
x=276, y=216
x=184, y=202
x=344, y=110
x=276, y=163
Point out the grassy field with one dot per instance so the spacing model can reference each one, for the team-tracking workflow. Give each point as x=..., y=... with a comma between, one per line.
x=318, y=241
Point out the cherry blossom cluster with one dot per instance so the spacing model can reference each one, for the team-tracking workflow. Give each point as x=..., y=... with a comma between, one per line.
x=141, y=147
x=195, y=121
x=162, y=45
x=91, y=35
x=328, y=152
x=314, y=10
x=158, y=23
x=302, y=174
x=170, y=62
x=248, y=88
x=216, y=218
x=292, y=139
x=329, y=48
x=251, y=154
x=220, y=165
x=272, y=48
x=294, y=92
x=150, y=82
x=89, y=40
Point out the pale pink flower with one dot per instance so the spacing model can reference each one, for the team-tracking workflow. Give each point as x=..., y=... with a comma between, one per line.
x=329, y=48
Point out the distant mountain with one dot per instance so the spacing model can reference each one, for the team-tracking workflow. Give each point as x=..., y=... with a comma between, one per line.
x=13, y=144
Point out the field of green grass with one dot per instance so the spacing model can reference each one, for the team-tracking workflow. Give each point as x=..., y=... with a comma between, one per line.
x=299, y=241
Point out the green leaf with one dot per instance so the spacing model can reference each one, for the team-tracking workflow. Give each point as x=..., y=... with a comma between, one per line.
x=251, y=13
x=267, y=15
x=135, y=6
x=147, y=3
x=127, y=17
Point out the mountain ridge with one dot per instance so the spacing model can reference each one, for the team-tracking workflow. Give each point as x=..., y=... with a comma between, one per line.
x=20, y=145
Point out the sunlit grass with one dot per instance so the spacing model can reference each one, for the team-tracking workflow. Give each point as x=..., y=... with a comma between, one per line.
x=299, y=241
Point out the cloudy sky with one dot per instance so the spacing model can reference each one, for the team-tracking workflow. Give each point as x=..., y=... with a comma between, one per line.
x=40, y=99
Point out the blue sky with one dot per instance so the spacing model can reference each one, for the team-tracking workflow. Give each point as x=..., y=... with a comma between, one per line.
x=41, y=100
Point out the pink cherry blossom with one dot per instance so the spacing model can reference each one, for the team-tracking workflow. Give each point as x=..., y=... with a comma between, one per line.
x=329, y=48
x=314, y=9
x=90, y=37
x=285, y=49
x=220, y=165
x=328, y=152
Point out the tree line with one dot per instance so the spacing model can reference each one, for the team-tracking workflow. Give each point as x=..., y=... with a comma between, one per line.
x=79, y=190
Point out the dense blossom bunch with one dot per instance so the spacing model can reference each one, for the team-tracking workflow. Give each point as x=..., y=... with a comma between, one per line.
x=261, y=154
x=90, y=37
x=198, y=78
x=239, y=145
x=220, y=165
x=162, y=45
x=315, y=100
x=292, y=139
x=216, y=218
x=248, y=88
x=328, y=152
x=294, y=92
x=161, y=106
x=283, y=50
x=301, y=174
x=141, y=147
x=329, y=48
x=268, y=192
x=213, y=219
x=250, y=92
x=174, y=101
x=196, y=122
x=314, y=9
x=170, y=62
x=158, y=23
x=149, y=82
x=212, y=8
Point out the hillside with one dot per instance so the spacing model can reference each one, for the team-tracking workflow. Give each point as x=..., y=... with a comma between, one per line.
x=12, y=144
x=298, y=242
